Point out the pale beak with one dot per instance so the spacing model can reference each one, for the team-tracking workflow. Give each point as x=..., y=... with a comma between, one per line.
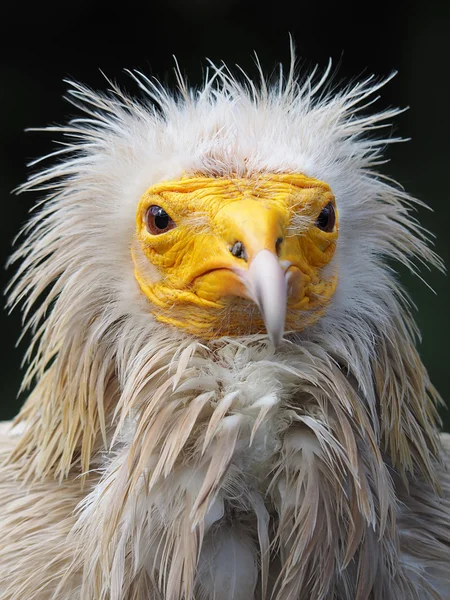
x=265, y=282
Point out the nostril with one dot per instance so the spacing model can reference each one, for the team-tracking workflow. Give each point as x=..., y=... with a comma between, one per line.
x=238, y=250
x=278, y=243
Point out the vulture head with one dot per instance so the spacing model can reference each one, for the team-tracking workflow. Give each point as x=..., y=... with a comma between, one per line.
x=223, y=359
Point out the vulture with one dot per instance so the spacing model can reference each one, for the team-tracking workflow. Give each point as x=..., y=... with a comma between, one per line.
x=225, y=400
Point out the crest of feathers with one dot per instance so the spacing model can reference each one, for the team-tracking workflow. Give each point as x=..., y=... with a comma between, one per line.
x=222, y=469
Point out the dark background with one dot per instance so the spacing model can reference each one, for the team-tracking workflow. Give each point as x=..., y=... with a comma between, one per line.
x=41, y=44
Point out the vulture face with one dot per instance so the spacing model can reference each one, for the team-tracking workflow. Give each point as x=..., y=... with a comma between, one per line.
x=219, y=256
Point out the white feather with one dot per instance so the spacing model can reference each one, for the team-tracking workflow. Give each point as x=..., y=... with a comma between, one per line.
x=227, y=470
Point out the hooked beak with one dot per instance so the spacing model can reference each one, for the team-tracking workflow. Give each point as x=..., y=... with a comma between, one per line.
x=266, y=284
x=262, y=277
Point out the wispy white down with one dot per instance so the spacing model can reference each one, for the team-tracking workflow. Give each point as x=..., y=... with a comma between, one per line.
x=221, y=470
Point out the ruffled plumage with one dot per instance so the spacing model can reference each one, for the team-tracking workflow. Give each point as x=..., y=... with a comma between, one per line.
x=158, y=466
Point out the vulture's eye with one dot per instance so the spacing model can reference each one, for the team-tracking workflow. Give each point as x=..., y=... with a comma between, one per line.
x=327, y=218
x=157, y=220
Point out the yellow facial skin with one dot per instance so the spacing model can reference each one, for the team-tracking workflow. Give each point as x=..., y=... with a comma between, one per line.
x=194, y=281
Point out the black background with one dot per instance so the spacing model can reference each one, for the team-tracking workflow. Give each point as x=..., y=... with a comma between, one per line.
x=43, y=43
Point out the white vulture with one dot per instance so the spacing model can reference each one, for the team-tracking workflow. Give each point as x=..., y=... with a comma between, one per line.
x=226, y=401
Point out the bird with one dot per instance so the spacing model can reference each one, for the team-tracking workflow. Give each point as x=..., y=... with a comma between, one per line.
x=225, y=400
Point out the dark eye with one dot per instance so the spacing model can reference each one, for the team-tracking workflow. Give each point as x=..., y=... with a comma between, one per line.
x=157, y=220
x=327, y=218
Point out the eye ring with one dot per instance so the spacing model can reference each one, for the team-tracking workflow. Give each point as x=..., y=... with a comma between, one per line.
x=326, y=220
x=157, y=221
